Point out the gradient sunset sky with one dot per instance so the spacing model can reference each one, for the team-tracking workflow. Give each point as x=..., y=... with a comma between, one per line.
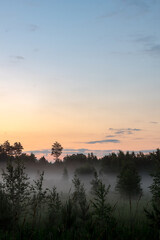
x=83, y=73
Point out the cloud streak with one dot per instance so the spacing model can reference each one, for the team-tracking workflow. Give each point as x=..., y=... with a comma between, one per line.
x=154, y=50
x=120, y=131
x=152, y=122
x=116, y=131
x=33, y=27
x=104, y=141
x=137, y=7
x=149, y=43
x=110, y=136
x=139, y=4
x=17, y=57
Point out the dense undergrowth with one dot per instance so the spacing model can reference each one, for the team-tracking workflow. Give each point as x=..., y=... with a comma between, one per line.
x=30, y=211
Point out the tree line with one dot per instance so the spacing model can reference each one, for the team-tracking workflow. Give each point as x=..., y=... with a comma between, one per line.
x=112, y=162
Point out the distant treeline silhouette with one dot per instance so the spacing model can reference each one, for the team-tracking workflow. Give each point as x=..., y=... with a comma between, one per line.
x=84, y=164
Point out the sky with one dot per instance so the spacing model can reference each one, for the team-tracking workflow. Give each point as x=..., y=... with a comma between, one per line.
x=83, y=73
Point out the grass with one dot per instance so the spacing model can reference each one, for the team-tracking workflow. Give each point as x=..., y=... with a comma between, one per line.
x=126, y=226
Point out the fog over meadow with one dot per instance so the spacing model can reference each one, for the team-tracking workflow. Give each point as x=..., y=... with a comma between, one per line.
x=66, y=185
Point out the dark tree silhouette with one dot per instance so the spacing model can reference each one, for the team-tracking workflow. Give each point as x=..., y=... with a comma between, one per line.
x=129, y=182
x=75, y=159
x=153, y=214
x=56, y=150
x=155, y=187
x=43, y=161
x=17, y=149
x=7, y=148
x=16, y=188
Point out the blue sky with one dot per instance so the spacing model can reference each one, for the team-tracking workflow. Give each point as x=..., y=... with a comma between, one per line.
x=71, y=70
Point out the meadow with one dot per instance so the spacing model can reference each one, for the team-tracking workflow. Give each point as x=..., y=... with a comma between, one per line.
x=85, y=200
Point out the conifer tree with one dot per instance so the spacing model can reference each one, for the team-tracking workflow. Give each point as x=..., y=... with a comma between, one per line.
x=129, y=182
x=17, y=188
x=56, y=150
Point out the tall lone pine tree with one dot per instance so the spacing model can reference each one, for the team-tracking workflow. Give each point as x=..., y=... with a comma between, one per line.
x=56, y=150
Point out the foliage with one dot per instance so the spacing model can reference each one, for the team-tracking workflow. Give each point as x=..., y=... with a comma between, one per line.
x=75, y=159
x=114, y=162
x=5, y=210
x=85, y=170
x=17, y=149
x=68, y=215
x=56, y=150
x=155, y=187
x=82, y=207
x=129, y=181
x=79, y=199
x=16, y=187
x=37, y=199
x=91, y=158
x=8, y=149
x=54, y=208
x=154, y=214
x=102, y=210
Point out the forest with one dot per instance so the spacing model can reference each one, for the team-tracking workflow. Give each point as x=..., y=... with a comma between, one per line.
x=80, y=197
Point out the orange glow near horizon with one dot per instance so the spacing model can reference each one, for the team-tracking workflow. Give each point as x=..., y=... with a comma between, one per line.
x=39, y=140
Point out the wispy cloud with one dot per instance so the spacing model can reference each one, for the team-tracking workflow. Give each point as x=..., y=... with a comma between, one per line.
x=119, y=131
x=154, y=50
x=149, y=44
x=33, y=27
x=145, y=39
x=109, y=15
x=140, y=4
x=65, y=150
x=32, y=3
x=110, y=136
x=152, y=122
x=104, y=141
x=44, y=151
x=138, y=138
x=79, y=150
x=17, y=57
x=129, y=9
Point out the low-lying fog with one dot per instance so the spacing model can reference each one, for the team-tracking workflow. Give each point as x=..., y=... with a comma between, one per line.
x=66, y=185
